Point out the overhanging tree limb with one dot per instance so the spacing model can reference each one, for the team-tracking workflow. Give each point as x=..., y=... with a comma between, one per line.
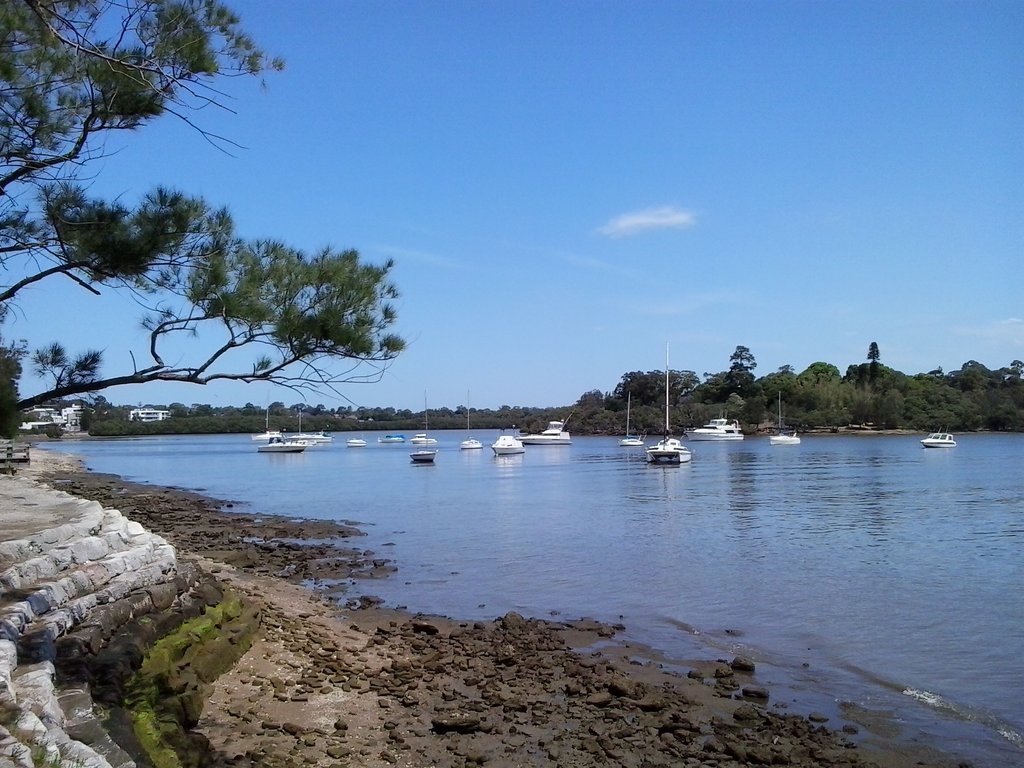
x=75, y=70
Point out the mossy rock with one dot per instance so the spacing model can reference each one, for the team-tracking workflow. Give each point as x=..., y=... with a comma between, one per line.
x=167, y=696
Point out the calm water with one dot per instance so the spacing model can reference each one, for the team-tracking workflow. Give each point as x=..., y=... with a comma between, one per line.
x=863, y=568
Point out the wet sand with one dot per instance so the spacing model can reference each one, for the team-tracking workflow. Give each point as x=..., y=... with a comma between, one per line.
x=331, y=682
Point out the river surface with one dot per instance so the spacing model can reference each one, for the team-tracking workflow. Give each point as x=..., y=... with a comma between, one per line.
x=862, y=570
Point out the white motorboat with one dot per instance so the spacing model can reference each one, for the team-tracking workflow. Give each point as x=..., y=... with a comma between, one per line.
x=555, y=434
x=507, y=445
x=355, y=442
x=717, y=429
x=391, y=439
x=423, y=456
x=782, y=437
x=939, y=440
x=281, y=445
x=630, y=441
x=423, y=439
x=668, y=450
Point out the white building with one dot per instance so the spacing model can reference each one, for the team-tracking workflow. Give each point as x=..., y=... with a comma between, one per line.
x=68, y=419
x=148, y=414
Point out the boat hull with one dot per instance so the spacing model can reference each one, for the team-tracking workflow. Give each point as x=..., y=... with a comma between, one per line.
x=546, y=439
x=669, y=451
x=282, y=448
x=423, y=457
x=655, y=456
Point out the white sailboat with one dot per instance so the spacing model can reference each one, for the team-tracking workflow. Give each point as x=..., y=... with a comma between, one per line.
x=669, y=450
x=470, y=443
x=630, y=441
x=424, y=455
x=783, y=438
x=310, y=438
x=267, y=432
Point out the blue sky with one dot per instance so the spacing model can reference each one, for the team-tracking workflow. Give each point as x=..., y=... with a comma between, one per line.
x=565, y=187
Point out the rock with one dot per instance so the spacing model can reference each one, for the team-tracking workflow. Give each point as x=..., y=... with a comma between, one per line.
x=745, y=713
x=742, y=664
x=424, y=627
x=457, y=722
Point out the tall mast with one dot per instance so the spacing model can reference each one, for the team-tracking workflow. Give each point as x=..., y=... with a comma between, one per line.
x=666, y=389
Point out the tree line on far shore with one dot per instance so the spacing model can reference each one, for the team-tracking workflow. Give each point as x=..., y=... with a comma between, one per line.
x=869, y=395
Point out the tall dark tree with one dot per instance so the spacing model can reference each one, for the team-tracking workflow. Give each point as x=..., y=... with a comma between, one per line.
x=873, y=357
x=740, y=376
x=74, y=72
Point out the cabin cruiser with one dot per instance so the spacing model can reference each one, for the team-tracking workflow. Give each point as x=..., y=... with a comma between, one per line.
x=507, y=445
x=718, y=429
x=423, y=439
x=555, y=434
x=939, y=440
x=281, y=445
x=391, y=439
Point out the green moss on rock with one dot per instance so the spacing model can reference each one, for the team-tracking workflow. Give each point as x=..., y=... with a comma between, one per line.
x=167, y=695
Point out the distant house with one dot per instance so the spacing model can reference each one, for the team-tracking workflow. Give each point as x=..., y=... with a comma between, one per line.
x=148, y=414
x=68, y=419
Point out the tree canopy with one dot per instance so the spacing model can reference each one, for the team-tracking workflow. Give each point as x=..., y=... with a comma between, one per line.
x=72, y=74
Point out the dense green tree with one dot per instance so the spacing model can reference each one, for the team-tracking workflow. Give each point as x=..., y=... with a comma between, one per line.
x=10, y=372
x=72, y=72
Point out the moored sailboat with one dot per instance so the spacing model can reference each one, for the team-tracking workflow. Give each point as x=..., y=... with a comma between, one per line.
x=424, y=455
x=669, y=450
x=630, y=441
x=781, y=437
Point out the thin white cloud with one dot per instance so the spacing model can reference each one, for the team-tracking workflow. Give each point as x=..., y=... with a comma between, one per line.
x=691, y=303
x=423, y=257
x=596, y=265
x=1009, y=332
x=665, y=217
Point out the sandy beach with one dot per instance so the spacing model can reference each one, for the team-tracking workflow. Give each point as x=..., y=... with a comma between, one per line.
x=331, y=683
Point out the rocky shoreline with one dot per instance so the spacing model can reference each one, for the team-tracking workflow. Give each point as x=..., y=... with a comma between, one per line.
x=326, y=683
